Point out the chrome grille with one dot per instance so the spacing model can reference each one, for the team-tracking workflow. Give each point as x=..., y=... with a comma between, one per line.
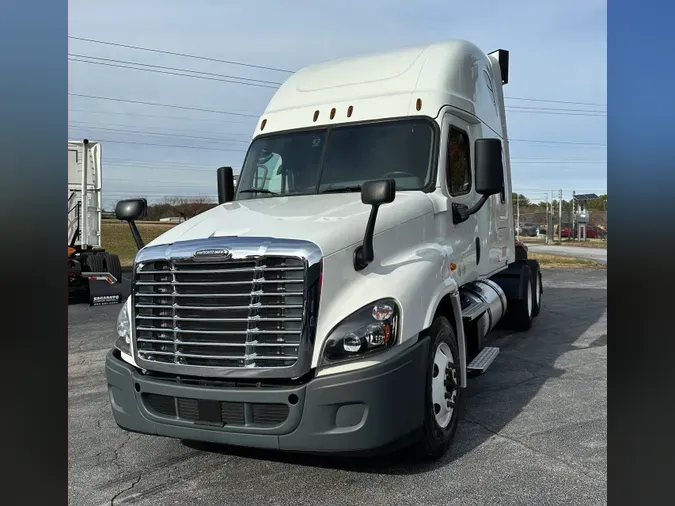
x=234, y=314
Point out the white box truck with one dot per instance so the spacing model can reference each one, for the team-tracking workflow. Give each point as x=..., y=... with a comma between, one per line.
x=91, y=270
x=338, y=300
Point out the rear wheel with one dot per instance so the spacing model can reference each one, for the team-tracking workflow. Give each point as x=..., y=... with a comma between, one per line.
x=537, y=290
x=442, y=392
x=537, y=287
x=94, y=263
x=113, y=265
x=520, y=311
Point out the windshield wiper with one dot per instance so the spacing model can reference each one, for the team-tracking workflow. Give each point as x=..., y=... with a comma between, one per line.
x=343, y=189
x=258, y=190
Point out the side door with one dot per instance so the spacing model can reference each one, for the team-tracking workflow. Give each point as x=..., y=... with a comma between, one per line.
x=458, y=185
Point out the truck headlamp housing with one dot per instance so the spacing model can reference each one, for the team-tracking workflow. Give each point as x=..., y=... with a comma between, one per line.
x=372, y=329
x=123, y=328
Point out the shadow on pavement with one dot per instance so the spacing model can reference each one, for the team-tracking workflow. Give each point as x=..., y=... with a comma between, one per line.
x=492, y=401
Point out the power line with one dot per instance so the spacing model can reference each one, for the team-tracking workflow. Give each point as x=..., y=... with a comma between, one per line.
x=557, y=112
x=184, y=118
x=536, y=161
x=191, y=108
x=211, y=76
x=246, y=137
x=247, y=82
x=285, y=71
x=170, y=146
x=557, y=101
x=178, y=134
x=182, y=55
x=571, y=143
x=162, y=116
x=159, y=134
x=156, y=104
x=142, y=64
x=171, y=73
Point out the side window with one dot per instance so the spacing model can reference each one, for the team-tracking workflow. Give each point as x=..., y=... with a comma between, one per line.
x=458, y=169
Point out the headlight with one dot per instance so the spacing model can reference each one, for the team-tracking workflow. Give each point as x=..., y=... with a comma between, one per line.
x=123, y=327
x=372, y=329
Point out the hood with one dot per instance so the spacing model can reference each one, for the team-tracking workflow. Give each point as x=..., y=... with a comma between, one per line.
x=331, y=221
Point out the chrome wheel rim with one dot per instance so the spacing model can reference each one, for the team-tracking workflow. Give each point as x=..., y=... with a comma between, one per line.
x=529, y=299
x=444, y=385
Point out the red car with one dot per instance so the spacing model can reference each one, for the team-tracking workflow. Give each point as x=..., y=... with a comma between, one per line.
x=592, y=232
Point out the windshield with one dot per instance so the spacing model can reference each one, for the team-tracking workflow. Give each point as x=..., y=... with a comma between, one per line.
x=337, y=159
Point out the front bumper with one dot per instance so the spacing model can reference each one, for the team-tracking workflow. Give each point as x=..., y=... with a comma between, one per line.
x=364, y=410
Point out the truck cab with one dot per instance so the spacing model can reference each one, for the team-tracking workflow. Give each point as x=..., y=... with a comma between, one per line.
x=339, y=298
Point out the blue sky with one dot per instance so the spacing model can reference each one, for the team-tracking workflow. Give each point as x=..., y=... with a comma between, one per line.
x=558, y=52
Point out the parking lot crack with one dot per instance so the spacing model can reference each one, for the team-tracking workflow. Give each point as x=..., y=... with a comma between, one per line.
x=116, y=451
x=124, y=491
x=536, y=451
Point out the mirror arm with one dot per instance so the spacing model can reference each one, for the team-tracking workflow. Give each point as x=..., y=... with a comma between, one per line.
x=365, y=254
x=136, y=235
x=461, y=213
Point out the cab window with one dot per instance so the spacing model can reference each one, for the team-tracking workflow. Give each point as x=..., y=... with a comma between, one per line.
x=458, y=171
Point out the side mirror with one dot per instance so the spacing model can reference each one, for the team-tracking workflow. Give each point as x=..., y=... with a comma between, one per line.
x=130, y=211
x=373, y=193
x=489, y=177
x=376, y=193
x=489, y=166
x=225, y=185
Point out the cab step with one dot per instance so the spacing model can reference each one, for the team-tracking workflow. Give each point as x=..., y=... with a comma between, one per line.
x=483, y=360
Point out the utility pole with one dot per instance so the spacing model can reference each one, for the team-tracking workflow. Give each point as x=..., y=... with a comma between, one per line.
x=560, y=194
x=574, y=215
x=548, y=221
x=552, y=216
x=518, y=216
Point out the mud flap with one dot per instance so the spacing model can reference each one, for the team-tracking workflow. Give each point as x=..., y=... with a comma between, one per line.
x=512, y=280
x=104, y=289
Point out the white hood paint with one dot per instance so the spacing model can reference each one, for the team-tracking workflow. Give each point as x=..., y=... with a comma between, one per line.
x=332, y=221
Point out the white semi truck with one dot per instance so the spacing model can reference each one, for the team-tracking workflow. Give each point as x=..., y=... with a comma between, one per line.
x=338, y=300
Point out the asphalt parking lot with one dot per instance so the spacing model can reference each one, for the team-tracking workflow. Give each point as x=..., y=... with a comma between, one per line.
x=534, y=430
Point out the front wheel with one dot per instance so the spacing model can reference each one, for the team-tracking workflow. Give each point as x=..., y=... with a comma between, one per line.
x=442, y=391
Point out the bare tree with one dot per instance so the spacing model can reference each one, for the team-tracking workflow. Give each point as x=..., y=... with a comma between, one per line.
x=189, y=207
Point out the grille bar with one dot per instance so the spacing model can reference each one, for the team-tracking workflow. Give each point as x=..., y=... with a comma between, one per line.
x=242, y=313
x=216, y=295
x=216, y=332
x=214, y=283
x=210, y=356
x=234, y=270
x=203, y=343
x=220, y=308
x=249, y=319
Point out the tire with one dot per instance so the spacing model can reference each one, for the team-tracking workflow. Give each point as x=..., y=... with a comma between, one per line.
x=113, y=265
x=520, y=311
x=537, y=290
x=94, y=263
x=537, y=287
x=440, y=424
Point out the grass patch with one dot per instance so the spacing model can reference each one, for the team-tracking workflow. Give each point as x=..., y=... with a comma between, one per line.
x=590, y=243
x=560, y=262
x=116, y=238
